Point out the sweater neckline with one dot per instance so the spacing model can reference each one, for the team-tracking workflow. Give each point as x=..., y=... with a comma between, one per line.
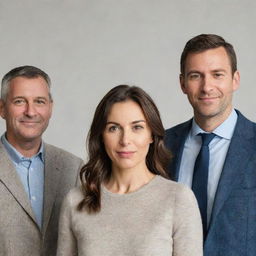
x=136, y=192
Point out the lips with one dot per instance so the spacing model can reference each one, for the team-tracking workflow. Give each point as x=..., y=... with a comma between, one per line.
x=208, y=99
x=125, y=154
x=29, y=123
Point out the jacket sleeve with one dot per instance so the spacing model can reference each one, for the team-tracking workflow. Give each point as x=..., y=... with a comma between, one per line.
x=67, y=244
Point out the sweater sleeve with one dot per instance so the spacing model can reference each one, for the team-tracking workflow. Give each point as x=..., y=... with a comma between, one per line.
x=187, y=228
x=67, y=244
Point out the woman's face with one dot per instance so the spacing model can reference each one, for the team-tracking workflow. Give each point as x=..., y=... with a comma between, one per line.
x=127, y=136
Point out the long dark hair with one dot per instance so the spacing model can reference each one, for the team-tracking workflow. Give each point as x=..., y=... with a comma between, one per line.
x=98, y=168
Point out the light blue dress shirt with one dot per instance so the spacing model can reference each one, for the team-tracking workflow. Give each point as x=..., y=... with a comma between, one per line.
x=218, y=148
x=31, y=173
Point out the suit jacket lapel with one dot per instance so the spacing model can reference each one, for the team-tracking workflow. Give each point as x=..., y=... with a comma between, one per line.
x=240, y=150
x=51, y=182
x=10, y=178
x=178, y=146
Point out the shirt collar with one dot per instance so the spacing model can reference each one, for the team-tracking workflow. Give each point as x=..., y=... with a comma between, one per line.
x=16, y=156
x=224, y=130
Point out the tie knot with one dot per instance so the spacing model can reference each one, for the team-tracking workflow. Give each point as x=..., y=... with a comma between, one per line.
x=206, y=138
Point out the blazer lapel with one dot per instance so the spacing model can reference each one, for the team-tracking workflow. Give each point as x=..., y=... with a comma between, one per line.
x=240, y=151
x=10, y=179
x=51, y=181
x=178, y=146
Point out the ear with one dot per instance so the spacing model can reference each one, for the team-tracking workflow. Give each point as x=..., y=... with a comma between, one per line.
x=51, y=105
x=151, y=139
x=182, y=84
x=2, y=109
x=236, y=80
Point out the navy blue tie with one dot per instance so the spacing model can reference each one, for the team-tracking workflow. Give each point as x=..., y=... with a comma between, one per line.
x=200, y=177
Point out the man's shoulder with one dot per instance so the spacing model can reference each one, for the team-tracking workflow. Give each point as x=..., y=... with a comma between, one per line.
x=179, y=128
x=242, y=118
x=4, y=157
x=244, y=125
x=59, y=153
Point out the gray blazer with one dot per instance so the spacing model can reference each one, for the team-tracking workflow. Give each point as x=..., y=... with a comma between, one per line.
x=19, y=232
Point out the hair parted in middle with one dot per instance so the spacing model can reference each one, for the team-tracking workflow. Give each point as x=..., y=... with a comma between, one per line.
x=98, y=168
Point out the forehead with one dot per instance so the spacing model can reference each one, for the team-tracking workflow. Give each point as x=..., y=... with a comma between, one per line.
x=28, y=87
x=126, y=111
x=209, y=59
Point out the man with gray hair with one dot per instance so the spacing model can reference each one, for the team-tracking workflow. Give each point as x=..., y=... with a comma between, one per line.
x=34, y=176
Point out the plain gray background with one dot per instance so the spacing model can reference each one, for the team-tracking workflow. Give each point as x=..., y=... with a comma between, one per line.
x=89, y=46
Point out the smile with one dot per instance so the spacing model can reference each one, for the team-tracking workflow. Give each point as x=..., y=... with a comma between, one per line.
x=29, y=123
x=208, y=98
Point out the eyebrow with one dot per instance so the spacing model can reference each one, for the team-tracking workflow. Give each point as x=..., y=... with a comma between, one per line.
x=41, y=98
x=36, y=98
x=212, y=71
x=219, y=70
x=133, y=122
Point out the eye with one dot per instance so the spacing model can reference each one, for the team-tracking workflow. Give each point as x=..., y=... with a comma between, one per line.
x=194, y=76
x=40, y=101
x=218, y=75
x=113, y=128
x=19, y=101
x=137, y=127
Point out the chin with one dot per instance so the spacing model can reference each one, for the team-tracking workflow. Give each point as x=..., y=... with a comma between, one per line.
x=207, y=113
x=125, y=166
x=30, y=138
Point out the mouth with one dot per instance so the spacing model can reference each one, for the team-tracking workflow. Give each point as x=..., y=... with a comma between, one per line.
x=29, y=123
x=125, y=154
x=208, y=99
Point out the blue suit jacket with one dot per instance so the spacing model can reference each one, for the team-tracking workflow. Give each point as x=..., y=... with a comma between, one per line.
x=232, y=228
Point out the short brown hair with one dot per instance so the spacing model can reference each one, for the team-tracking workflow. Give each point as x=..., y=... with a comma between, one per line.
x=205, y=42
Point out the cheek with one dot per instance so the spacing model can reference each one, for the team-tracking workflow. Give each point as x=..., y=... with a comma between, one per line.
x=108, y=142
x=46, y=114
x=144, y=142
x=191, y=92
x=13, y=113
x=228, y=90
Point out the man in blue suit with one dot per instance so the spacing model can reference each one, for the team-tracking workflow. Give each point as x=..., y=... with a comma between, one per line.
x=209, y=77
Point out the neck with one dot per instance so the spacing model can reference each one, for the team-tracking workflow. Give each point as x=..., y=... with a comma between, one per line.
x=210, y=123
x=26, y=148
x=126, y=181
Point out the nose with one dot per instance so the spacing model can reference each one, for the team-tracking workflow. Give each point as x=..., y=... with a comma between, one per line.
x=125, y=138
x=207, y=84
x=30, y=110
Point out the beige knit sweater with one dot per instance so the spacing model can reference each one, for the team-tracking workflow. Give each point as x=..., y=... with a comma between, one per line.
x=159, y=219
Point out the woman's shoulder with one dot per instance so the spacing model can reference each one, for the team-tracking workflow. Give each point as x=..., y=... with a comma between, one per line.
x=74, y=196
x=171, y=184
x=180, y=190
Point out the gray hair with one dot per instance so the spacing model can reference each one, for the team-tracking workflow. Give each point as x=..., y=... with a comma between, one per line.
x=23, y=71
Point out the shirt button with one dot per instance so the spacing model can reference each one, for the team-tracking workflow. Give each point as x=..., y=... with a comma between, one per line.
x=33, y=198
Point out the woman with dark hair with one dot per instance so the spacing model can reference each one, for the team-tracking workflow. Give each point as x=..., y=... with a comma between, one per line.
x=126, y=205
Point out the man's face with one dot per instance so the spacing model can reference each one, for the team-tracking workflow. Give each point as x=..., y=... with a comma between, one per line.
x=27, y=110
x=209, y=84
